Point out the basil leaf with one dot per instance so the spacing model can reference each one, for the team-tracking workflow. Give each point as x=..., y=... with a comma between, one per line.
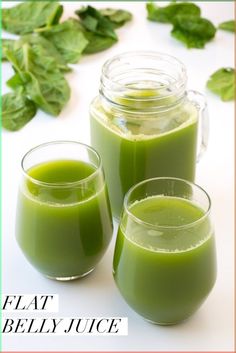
x=68, y=39
x=17, y=110
x=27, y=16
x=228, y=26
x=168, y=13
x=222, y=83
x=117, y=17
x=93, y=21
x=193, y=31
x=6, y=44
x=38, y=79
x=97, y=43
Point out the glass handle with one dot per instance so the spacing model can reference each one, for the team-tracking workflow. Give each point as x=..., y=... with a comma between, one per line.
x=200, y=103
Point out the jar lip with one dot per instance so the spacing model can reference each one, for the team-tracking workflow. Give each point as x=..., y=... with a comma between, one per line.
x=61, y=184
x=150, y=225
x=144, y=53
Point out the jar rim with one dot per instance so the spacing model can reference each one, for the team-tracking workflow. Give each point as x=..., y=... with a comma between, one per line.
x=153, y=226
x=60, y=184
x=144, y=53
x=125, y=76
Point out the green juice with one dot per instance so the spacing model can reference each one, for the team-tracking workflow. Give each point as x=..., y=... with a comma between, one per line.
x=139, y=148
x=62, y=229
x=165, y=273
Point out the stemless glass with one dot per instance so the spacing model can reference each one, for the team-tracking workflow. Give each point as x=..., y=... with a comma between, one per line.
x=63, y=223
x=164, y=262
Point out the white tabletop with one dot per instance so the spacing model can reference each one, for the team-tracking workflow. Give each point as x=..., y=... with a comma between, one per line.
x=211, y=328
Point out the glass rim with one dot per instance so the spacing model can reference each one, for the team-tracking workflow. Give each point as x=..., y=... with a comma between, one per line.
x=151, y=225
x=144, y=53
x=61, y=184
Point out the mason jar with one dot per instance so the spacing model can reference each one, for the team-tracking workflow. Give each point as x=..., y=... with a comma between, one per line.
x=145, y=123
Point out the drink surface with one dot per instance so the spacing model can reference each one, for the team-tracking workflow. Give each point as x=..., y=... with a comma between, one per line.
x=165, y=271
x=63, y=228
x=166, y=211
x=61, y=171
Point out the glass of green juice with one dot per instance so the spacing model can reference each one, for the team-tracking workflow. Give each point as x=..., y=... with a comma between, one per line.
x=63, y=222
x=145, y=123
x=165, y=260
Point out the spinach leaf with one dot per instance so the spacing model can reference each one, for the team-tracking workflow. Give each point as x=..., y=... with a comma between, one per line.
x=98, y=26
x=17, y=110
x=68, y=39
x=116, y=16
x=188, y=26
x=25, y=17
x=6, y=44
x=222, y=83
x=97, y=43
x=49, y=90
x=45, y=49
x=228, y=26
x=167, y=14
x=40, y=45
x=93, y=21
x=193, y=31
x=38, y=79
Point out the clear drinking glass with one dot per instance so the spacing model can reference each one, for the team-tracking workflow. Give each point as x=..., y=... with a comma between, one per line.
x=145, y=123
x=63, y=223
x=164, y=261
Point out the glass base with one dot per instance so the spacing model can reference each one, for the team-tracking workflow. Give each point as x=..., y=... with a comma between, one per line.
x=166, y=323
x=162, y=323
x=69, y=278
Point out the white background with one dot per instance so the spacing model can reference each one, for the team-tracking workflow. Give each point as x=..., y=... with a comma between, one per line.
x=211, y=328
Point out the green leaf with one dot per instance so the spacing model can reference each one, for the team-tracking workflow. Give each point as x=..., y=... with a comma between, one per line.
x=97, y=43
x=222, y=83
x=168, y=13
x=95, y=22
x=39, y=79
x=193, y=31
x=39, y=44
x=44, y=48
x=98, y=26
x=29, y=15
x=6, y=44
x=118, y=17
x=17, y=110
x=68, y=38
x=228, y=26
x=50, y=92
